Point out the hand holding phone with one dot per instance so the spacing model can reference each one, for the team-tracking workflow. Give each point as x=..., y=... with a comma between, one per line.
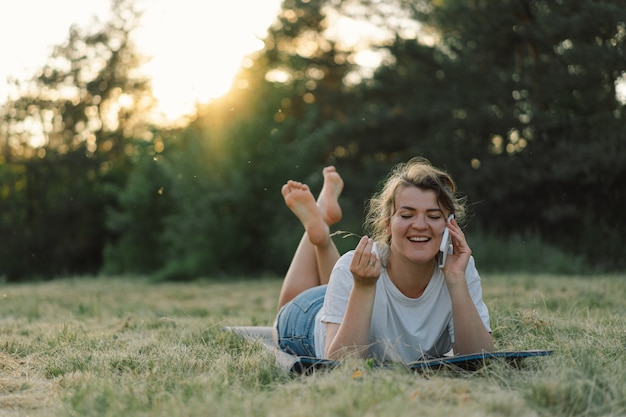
x=445, y=248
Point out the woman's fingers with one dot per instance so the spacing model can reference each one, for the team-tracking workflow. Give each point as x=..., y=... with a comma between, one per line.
x=459, y=242
x=456, y=263
x=359, y=251
x=364, y=252
x=365, y=264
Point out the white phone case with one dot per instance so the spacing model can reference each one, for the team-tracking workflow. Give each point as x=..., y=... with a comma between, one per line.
x=445, y=248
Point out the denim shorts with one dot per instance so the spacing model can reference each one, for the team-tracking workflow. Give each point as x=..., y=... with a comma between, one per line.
x=295, y=323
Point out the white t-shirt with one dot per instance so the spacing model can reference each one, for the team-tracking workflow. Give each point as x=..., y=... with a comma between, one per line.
x=403, y=329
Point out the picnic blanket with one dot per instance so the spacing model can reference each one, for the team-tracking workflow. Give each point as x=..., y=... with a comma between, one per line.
x=304, y=364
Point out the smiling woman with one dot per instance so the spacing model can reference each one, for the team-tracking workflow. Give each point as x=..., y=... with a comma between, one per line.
x=194, y=48
x=387, y=299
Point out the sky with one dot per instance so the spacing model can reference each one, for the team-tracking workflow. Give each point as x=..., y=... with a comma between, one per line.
x=182, y=37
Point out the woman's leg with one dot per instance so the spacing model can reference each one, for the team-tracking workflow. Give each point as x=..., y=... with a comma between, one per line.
x=316, y=253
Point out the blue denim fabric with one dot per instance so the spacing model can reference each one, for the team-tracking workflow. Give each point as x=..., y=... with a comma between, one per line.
x=295, y=323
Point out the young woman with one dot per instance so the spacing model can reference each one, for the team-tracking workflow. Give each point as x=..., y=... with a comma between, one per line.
x=388, y=299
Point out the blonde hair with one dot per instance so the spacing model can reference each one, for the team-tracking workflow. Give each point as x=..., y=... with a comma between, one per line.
x=417, y=172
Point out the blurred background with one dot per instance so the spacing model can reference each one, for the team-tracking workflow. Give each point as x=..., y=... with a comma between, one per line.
x=153, y=137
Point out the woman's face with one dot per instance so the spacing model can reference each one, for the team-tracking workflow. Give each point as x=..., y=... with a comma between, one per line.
x=417, y=225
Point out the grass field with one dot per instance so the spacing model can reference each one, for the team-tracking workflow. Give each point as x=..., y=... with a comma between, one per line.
x=129, y=347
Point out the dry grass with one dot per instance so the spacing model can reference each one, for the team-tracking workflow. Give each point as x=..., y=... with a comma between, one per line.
x=129, y=347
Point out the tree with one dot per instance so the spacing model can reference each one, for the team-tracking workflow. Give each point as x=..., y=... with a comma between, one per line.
x=518, y=100
x=66, y=138
x=224, y=171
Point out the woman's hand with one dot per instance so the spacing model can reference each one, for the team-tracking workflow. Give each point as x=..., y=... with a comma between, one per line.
x=470, y=334
x=352, y=336
x=365, y=265
x=456, y=263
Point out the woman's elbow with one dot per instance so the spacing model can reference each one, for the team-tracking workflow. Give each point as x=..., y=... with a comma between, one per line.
x=345, y=352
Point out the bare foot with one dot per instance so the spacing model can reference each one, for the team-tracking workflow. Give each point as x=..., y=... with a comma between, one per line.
x=327, y=201
x=299, y=199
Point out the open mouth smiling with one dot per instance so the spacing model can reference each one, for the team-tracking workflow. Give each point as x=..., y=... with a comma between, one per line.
x=419, y=239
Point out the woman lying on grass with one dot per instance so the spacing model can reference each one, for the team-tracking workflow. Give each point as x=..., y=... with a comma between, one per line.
x=388, y=299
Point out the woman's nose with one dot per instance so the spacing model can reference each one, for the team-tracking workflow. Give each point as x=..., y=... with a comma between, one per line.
x=419, y=222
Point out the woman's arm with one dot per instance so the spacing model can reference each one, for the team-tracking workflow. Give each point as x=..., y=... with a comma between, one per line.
x=470, y=334
x=352, y=335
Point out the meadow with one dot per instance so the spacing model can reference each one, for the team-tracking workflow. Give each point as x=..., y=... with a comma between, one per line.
x=127, y=346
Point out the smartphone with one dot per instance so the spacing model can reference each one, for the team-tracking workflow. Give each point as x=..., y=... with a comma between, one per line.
x=445, y=248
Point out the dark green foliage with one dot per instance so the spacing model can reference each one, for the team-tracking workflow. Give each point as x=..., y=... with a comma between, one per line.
x=522, y=253
x=225, y=183
x=136, y=220
x=517, y=99
x=225, y=170
x=56, y=184
x=62, y=232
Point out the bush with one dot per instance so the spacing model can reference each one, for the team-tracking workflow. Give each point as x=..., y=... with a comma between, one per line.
x=517, y=253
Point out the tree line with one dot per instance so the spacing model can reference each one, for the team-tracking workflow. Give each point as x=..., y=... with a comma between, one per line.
x=518, y=100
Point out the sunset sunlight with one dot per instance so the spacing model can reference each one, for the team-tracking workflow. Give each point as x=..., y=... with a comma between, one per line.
x=194, y=48
x=202, y=43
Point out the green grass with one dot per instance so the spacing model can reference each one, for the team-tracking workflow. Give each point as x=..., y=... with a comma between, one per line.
x=129, y=347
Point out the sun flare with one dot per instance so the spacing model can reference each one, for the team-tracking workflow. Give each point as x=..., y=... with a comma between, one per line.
x=196, y=48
